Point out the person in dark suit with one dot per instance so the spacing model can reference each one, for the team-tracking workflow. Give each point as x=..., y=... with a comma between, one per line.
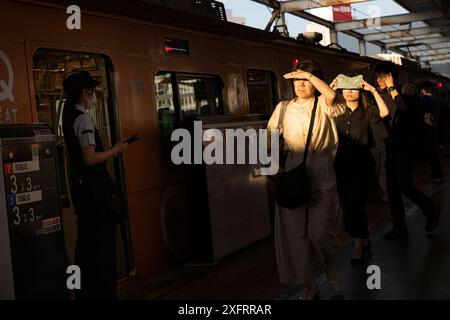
x=399, y=164
x=429, y=109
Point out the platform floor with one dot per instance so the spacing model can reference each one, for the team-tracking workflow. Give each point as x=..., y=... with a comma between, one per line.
x=415, y=268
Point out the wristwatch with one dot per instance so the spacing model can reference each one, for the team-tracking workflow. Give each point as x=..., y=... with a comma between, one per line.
x=391, y=89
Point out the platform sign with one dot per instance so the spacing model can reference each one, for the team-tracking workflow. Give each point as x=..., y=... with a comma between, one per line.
x=33, y=215
x=342, y=13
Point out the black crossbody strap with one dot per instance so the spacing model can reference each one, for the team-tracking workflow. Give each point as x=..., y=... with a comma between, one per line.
x=283, y=154
x=284, y=105
x=311, y=126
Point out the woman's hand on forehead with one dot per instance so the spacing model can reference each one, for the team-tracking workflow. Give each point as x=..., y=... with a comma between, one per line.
x=299, y=74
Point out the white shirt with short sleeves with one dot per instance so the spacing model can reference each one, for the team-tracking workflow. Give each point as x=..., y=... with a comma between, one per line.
x=84, y=128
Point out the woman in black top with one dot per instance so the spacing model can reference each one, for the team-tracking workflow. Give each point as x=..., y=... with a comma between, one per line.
x=354, y=165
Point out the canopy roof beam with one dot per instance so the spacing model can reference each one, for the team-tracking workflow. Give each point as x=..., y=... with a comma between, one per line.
x=438, y=57
x=429, y=49
x=301, y=5
x=406, y=33
x=310, y=17
x=417, y=41
x=388, y=20
x=430, y=54
x=439, y=61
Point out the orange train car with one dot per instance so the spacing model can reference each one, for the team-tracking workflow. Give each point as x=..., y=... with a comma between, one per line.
x=157, y=66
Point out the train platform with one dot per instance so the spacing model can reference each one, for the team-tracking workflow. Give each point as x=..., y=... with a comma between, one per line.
x=413, y=268
x=196, y=84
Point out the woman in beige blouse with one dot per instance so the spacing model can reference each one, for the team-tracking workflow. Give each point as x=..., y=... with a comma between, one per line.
x=308, y=234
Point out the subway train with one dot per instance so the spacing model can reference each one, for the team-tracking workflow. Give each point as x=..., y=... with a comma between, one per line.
x=157, y=66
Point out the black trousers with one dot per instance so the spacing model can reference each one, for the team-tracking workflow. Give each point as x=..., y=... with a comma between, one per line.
x=400, y=180
x=95, y=251
x=354, y=168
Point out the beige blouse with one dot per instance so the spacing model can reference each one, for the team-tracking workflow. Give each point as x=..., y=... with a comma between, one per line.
x=296, y=124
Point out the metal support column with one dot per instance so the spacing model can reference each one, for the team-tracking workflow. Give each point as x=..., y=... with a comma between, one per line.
x=333, y=36
x=362, y=48
x=281, y=25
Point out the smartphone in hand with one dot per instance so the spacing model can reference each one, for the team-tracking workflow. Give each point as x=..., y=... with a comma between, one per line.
x=132, y=139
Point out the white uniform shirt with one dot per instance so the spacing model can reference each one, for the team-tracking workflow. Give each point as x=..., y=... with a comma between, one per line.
x=84, y=128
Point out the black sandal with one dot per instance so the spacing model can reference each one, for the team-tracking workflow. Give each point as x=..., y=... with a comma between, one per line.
x=307, y=296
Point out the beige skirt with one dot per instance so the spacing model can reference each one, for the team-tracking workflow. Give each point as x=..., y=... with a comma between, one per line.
x=309, y=233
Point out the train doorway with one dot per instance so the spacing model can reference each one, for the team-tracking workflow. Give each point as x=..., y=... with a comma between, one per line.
x=50, y=67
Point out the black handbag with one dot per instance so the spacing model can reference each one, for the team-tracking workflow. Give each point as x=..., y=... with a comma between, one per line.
x=293, y=187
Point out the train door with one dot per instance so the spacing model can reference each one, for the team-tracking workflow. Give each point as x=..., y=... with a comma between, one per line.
x=262, y=99
x=180, y=96
x=262, y=91
x=49, y=69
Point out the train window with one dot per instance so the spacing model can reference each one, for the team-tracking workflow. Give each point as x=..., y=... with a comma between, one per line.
x=180, y=96
x=199, y=95
x=164, y=102
x=49, y=69
x=262, y=94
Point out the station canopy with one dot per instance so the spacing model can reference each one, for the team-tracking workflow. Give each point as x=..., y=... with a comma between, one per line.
x=421, y=33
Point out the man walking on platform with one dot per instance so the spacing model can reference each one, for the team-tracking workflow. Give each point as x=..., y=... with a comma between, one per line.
x=399, y=164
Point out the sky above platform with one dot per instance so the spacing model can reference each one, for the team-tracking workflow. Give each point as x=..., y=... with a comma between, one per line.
x=257, y=16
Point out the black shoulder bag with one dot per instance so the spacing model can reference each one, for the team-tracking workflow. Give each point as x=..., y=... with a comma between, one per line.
x=293, y=187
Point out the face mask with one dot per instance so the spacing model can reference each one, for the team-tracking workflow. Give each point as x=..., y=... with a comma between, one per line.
x=91, y=102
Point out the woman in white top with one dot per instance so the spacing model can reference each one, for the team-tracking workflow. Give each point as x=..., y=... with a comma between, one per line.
x=308, y=234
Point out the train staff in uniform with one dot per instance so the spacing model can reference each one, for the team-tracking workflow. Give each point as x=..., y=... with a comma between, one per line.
x=399, y=166
x=358, y=128
x=96, y=237
x=309, y=233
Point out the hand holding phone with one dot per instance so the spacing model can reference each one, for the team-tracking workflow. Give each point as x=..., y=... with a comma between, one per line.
x=132, y=139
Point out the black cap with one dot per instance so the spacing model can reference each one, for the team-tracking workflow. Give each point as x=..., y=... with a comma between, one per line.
x=76, y=82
